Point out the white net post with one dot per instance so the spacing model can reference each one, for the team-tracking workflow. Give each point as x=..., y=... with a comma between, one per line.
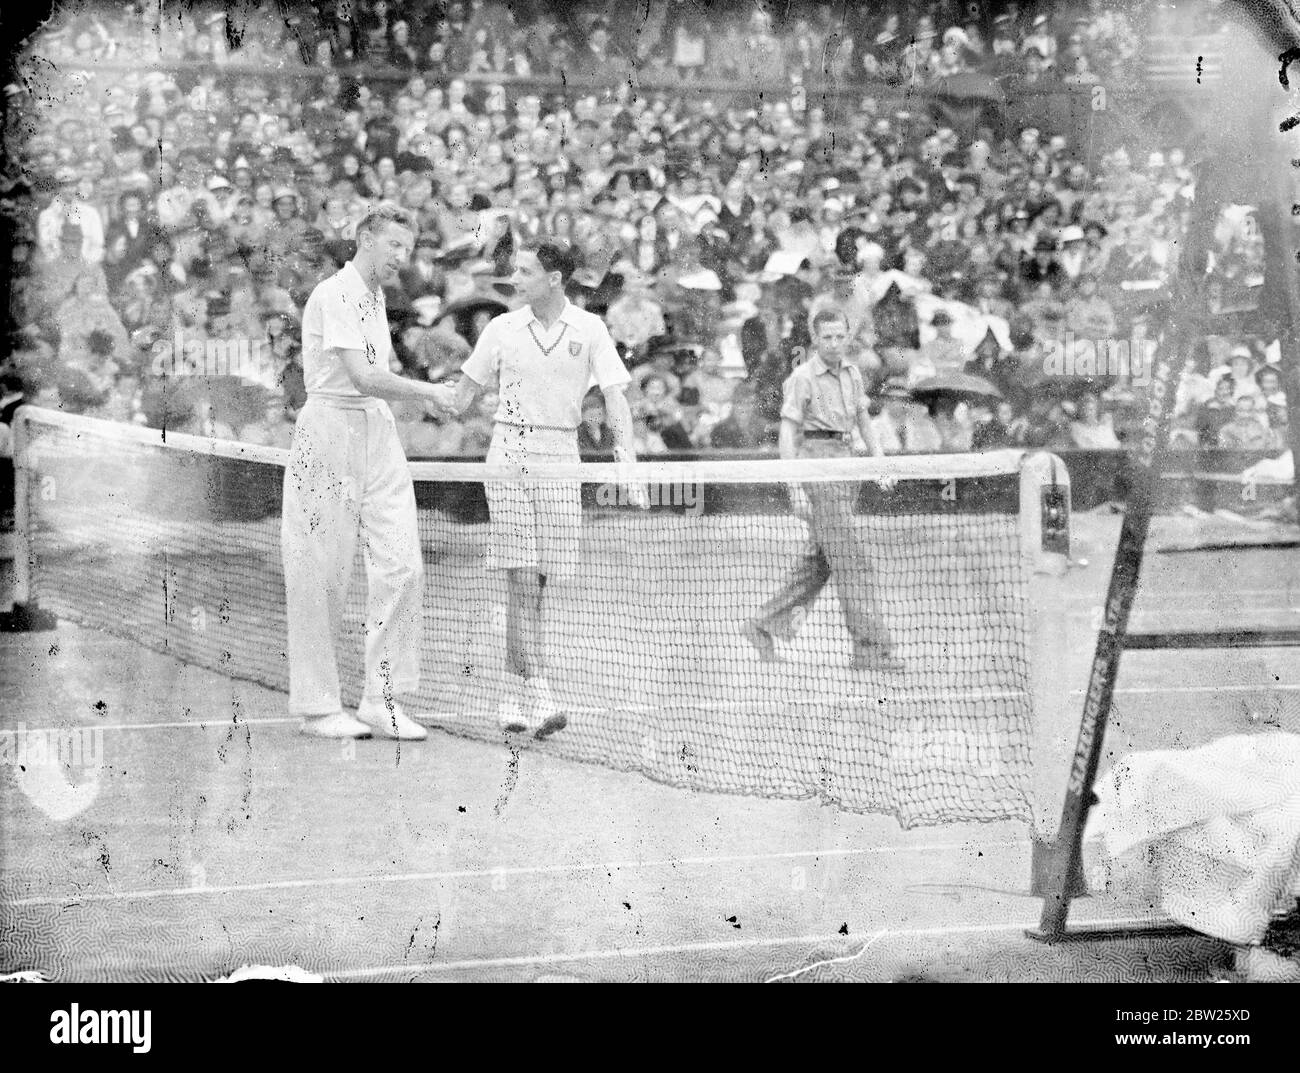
x=1044, y=485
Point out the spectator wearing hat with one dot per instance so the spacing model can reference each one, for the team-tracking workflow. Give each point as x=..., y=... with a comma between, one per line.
x=285, y=233
x=1043, y=266
x=943, y=353
x=68, y=209
x=1268, y=378
x=1072, y=252
x=1241, y=367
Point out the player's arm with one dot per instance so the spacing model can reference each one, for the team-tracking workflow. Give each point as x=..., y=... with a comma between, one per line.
x=612, y=376
x=371, y=378
x=871, y=438
x=796, y=394
x=869, y=435
x=481, y=368
x=619, y=415
x=790, y=438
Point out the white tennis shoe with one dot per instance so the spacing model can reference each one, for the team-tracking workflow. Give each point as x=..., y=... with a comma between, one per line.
x=543, y=717
x=334, y=725
x=389, y=722
x=510, y=716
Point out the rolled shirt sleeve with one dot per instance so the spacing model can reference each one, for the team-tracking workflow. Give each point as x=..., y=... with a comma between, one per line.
x=797, y=394
x=341, y=325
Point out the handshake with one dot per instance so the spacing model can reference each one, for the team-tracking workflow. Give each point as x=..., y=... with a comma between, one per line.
x=440, y=401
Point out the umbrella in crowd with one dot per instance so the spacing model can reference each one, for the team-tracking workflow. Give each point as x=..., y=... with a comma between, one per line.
x=959, y=387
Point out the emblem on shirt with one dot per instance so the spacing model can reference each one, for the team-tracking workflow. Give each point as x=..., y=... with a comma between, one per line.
x=575, y=349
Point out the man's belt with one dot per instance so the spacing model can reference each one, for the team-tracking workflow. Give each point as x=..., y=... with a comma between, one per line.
x=825, y=434
x=529, y=427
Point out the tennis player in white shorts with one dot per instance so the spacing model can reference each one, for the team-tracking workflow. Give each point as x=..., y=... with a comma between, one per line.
x=543, y=357
x=348, y=480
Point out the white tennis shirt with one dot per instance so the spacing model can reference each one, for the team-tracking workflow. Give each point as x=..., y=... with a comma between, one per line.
x=342, y=314
x=541, y=376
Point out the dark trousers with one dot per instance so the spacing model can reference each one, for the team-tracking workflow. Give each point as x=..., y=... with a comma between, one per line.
x=836, y=549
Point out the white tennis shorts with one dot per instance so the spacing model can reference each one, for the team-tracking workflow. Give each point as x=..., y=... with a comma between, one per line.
x=534, y=524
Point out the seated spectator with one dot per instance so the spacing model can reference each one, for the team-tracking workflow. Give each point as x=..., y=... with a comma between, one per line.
x=128, y=238
x=1051, y=425
x=998, y=428
x=91, y=332
x=989, y=298
x=708, y=391
x=1269, y=380
x=955, y=424
x=943, y=353
x=742, y=428
x=1211, y=416
x=1246, y=431
x=1092, y=429
x=659, y=408
x=1088, y=315
x=594, y=436
x=69, y=210
x=645, y=440
x=1241, y=368
x=902, y=426
x=1279, y=419
x=634, y=317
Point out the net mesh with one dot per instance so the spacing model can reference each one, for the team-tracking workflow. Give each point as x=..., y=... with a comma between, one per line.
x=177, y=546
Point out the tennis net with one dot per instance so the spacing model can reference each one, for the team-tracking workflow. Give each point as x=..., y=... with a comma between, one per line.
x=175, y=543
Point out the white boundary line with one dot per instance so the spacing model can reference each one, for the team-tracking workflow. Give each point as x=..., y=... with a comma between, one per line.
x=1147, y=691
x=628, y=953
x=492, y=873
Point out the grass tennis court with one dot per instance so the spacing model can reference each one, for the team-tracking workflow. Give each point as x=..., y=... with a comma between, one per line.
x=210, y=835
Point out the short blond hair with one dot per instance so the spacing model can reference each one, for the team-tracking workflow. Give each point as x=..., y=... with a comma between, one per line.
x=387, y=213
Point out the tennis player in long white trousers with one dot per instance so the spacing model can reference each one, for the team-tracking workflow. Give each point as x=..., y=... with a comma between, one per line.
x=348, y=480
x=543, y=357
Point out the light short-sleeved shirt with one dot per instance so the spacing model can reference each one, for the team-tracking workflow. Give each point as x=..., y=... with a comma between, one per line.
x=541, y=376
x=342, y=314
x=818, y=399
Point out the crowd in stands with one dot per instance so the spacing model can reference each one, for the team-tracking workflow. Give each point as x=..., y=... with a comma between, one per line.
x=1033, y=45
x=168, y=223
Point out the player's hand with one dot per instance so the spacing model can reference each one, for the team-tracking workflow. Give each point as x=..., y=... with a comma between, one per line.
x=886, y=483
x=799, y=502
x=441, y=400
x=636, y=493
